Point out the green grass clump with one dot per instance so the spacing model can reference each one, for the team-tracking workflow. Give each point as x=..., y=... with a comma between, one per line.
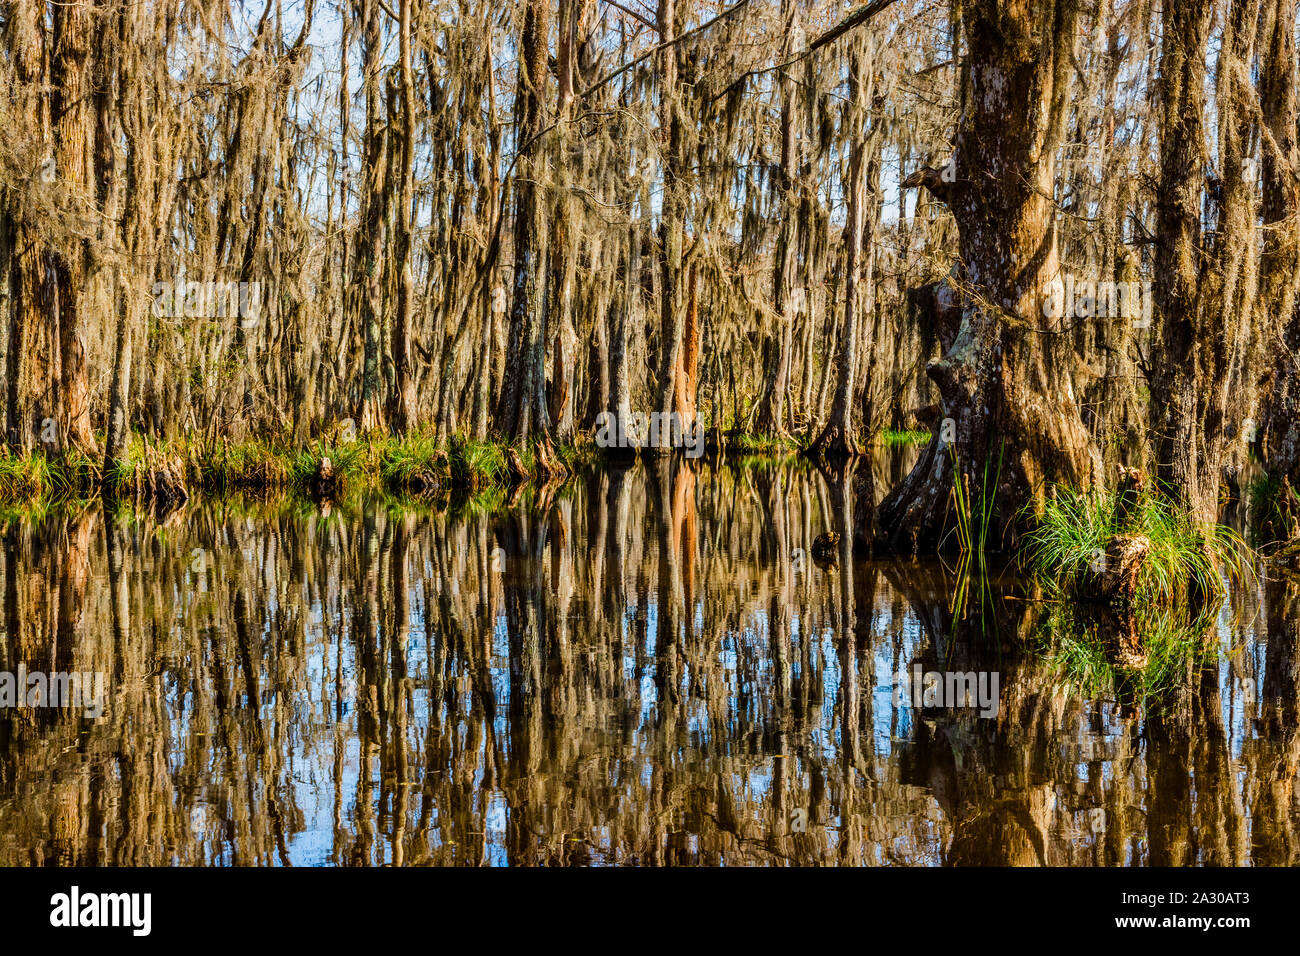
x=772, y=445
x=891, y=437
x=241, y=466
x=36, y=475
x=1273, y=509
x=477, y=464
x=415, y=461
x=1076, y=527
x=23, y=477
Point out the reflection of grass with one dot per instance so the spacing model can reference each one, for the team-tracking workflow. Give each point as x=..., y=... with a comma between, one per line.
x=974, y=573
x=967, y=539
x=1077, y=527
x=769, y=463
x=1072, y=644
x=1273, y=507
x=267, y=508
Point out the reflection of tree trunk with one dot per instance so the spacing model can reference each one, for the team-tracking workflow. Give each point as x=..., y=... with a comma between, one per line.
x=683, y=540
x=958, y=752
x=397, y=682
x=1191, y=796
x=856, y=594
x=1275, y=841
x=861, y=533
x=616, y=577
x=526, y=612
x=668, y=589
x=74, y=570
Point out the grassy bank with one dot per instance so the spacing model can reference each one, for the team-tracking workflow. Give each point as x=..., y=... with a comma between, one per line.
x=415, y=464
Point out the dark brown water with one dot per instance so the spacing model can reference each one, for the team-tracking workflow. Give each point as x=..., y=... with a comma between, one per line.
x=649, y=669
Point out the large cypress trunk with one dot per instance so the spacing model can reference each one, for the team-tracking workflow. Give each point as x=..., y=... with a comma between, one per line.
x=1280, y=263
x=71, y=110
x=523, y=413
x=1187, y=429
x=1006, y=383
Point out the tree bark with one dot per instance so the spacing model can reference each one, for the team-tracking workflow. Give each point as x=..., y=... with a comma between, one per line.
x=523, y=413
x=1186, y=442
x=1280, y=262
x=837, y=438
x=403, y=398
x=371, y=253
x=1007, y=390
x=771, y=409
x=71, y=95
x=672, y=210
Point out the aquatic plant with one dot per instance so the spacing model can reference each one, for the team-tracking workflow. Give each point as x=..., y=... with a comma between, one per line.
x=1077, y=532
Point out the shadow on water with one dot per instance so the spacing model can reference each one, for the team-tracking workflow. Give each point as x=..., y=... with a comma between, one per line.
x=649, y=669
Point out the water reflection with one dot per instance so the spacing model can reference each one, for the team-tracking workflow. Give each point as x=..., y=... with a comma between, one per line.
x=646, y=669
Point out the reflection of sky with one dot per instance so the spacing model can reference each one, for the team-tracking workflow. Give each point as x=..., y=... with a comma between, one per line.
x=1089, y=743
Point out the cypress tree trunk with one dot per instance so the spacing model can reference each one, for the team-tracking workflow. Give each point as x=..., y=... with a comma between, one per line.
x=672, y=212
x=70, y=108
x=403, y=398
x=771, y=409
x=1199, y=327
x=1280, y=262
x=1007, y=390
x=371, y=255
x=522, y=413
x=836, y=439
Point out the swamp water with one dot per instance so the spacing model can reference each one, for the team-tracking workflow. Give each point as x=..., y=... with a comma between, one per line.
x=649, y=667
